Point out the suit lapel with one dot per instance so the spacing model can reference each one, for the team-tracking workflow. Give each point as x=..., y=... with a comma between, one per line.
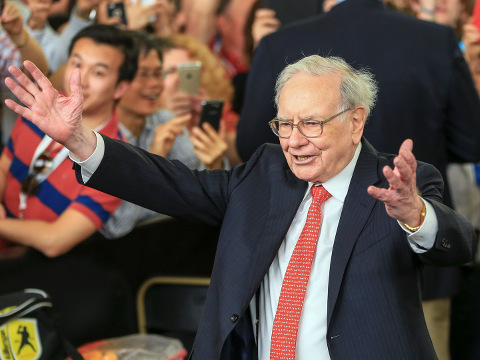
x=285, y=198
x=356, y=211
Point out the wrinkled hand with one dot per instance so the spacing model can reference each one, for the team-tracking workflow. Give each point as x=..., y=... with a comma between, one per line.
x=12, y=22
x=56, y=115
x=40, y=10
x=401, y=199
x=264, y=24
x=208, y=145
x=165, y=134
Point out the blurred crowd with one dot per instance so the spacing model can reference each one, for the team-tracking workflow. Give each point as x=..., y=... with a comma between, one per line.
x=149, y=71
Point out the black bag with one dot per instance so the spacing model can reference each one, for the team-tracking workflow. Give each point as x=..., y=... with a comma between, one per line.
x=26, y=330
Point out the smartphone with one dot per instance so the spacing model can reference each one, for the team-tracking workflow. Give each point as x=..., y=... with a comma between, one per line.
x=476, y=15
x=212, y=112
x=189, y=74
x=117, y=10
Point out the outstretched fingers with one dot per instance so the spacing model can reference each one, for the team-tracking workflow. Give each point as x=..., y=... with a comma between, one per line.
x=378, y=193
x=38, y=76
x=23, y=88
x=20, y=110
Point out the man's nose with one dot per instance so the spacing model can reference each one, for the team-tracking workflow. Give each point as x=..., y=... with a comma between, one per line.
x=84, y=77
x=296, y=138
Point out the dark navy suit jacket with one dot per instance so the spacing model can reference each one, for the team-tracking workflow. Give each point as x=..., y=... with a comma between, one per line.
x=374, y=308
x=426, y=91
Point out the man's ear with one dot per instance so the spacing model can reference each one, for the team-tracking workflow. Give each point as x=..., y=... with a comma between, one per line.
x=120, y=89
x=359, y=115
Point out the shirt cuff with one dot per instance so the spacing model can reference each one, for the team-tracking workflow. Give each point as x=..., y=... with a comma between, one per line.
x=423, y=239
x=90, y=165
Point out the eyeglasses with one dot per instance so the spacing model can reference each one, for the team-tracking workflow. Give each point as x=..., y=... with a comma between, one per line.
x=144, y=76
x=167, y=72
x=308, y=128
x=41, y=165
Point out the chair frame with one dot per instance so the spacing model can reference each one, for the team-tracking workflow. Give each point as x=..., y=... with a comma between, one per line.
x=173, y=280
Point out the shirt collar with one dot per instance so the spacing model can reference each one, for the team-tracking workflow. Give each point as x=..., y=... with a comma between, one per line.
x=339, y=184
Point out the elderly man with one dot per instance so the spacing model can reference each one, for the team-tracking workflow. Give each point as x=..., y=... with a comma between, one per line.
x=321, y=242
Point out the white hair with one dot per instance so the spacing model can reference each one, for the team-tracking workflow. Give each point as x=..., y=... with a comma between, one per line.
x=358, y=86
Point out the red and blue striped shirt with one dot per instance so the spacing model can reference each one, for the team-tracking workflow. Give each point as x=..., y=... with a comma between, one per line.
x=60, y=190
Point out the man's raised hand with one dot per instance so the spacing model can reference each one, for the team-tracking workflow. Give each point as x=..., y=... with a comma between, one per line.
x=56, y=115
x=401, y=199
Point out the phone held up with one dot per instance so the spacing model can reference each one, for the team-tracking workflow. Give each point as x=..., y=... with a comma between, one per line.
x=212, y=112
x=189, y=75
x=117, y=10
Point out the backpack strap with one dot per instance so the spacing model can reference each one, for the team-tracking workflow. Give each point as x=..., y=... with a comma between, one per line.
x=24, y=302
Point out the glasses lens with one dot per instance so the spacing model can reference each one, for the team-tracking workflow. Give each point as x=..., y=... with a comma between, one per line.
x=284, y=128
x=311, y=128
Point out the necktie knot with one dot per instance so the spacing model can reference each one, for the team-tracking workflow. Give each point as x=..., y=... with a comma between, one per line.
x=320, y=194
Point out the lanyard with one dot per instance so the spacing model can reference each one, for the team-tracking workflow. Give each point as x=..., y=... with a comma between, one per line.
x=41, y=177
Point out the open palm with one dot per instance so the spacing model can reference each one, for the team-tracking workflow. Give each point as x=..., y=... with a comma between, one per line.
x=56, y=115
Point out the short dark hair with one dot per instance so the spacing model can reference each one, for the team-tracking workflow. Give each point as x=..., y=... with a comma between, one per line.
x=119, y=39
x=165, y=44
x=145, y=43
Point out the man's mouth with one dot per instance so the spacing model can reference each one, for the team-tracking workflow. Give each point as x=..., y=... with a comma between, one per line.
x=302, y=157
x=151, y=96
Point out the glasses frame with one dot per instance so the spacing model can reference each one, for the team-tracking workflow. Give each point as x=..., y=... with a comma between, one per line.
x=292, y=125
x=144, y=78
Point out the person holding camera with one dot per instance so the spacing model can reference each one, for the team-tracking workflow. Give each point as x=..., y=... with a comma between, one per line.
x=159, y=131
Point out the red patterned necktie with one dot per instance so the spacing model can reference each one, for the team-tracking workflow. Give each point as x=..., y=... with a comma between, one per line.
x=285, y=326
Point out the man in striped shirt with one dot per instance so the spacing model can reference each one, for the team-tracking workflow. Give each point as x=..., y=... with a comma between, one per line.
x=43, y=205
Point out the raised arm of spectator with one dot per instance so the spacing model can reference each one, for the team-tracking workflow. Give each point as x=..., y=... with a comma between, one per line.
x=55, y=45
x=264, y=23
x=39, y=12
x=29, y=49
x=165, y=24
x=59, y=7
x=200, y=19
x=139, y=15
